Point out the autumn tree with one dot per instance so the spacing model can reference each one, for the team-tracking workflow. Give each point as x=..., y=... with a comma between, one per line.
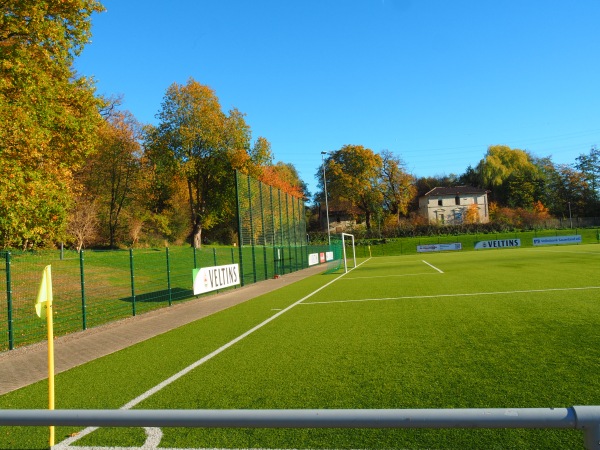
x=49, y=116
x=398, y=185
x=353, y=174
x=574, y=191
x=83, y=222
x=285, y=177
x=197, y=141
x=112, y=172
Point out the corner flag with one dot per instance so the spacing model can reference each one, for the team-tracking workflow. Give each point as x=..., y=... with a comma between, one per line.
x=43, y=308
x=44, y=297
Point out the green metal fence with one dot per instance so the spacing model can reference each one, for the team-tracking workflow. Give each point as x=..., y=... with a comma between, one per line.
x=95, y=287
x=408, y=246
x=92, y=288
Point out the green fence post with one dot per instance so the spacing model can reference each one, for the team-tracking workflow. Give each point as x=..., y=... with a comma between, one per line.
x=239, y=217
x=294, y=227
x=215, y=262
x=281, y=230
x=11, y=338
x=262, y=225
x=82, y=281
x=168, y=275
x=287, y=226
x=251, y=229
x=132, y=281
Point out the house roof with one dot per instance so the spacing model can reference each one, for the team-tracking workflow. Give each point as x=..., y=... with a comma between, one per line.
x=455, y=190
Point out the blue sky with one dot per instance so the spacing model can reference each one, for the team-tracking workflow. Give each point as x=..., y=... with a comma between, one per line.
x=434, y=81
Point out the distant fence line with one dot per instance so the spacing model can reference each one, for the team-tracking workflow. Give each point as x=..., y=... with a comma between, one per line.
x=409, y=245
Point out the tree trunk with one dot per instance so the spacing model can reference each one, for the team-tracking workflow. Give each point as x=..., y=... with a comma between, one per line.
x=197, y=236
x=368, y=219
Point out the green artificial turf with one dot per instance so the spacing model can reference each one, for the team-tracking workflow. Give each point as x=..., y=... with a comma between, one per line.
x=497, y=329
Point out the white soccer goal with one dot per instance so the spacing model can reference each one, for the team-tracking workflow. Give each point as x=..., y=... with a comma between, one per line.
x=344, y=237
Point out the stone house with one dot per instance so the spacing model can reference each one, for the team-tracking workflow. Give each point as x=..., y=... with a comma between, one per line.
x=455, y=205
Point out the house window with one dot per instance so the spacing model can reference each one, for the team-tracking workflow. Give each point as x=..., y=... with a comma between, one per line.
x=439, y=202
x=457, y=200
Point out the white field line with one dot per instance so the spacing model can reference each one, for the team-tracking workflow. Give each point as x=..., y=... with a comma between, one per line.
x=561, y=251
x=432, y=266
x=474, y=294
x=65, y=444
x=390, y=276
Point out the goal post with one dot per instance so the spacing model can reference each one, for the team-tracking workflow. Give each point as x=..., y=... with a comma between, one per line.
x=338, y=253
x=346, y=236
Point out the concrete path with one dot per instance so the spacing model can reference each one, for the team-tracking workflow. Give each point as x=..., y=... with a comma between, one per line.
x=26, y=365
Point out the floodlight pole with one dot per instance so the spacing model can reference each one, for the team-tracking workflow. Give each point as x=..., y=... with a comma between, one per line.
x=326, y=203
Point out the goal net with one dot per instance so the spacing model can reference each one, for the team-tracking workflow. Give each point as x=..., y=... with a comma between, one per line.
x=343, y=253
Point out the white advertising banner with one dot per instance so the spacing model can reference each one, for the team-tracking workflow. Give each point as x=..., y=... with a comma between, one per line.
x=313, y=259
x=499, y=243
x=208, y=279
x=439, y=247
x=329, y=256
x=558, y=240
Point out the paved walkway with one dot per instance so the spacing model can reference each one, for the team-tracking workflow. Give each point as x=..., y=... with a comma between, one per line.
x=26, y=365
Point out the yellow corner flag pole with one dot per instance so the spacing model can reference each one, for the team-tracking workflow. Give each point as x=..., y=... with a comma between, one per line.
x=43, y=308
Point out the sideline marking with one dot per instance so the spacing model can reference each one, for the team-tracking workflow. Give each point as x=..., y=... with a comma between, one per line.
x=65, y=444
x=389, y=276
x=474, y=294
x=432, y=266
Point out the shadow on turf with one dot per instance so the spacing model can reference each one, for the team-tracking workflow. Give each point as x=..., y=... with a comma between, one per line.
x=161, y=296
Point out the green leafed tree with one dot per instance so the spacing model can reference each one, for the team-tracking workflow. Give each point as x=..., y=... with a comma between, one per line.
x=511, y=176
x=589, y=166
x=49, y=116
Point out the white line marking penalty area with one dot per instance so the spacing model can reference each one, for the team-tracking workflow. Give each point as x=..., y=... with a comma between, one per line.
x=432, y=266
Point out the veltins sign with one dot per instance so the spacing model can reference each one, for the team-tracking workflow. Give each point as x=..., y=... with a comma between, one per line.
x=208, y=279
x=499, y=243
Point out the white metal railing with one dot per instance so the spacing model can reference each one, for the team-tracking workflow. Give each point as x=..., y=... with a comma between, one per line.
x=584, y=418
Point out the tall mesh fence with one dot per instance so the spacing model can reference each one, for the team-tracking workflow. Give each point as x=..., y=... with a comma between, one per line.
x=272, y=230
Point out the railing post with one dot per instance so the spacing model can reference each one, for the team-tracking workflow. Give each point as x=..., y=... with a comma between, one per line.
x=11, y=339
x=588, y=420
x=132, y=271
x=82, y=280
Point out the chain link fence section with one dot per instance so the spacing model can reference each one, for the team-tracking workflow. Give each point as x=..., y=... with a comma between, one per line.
x=92, y=288
x=272, y=230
